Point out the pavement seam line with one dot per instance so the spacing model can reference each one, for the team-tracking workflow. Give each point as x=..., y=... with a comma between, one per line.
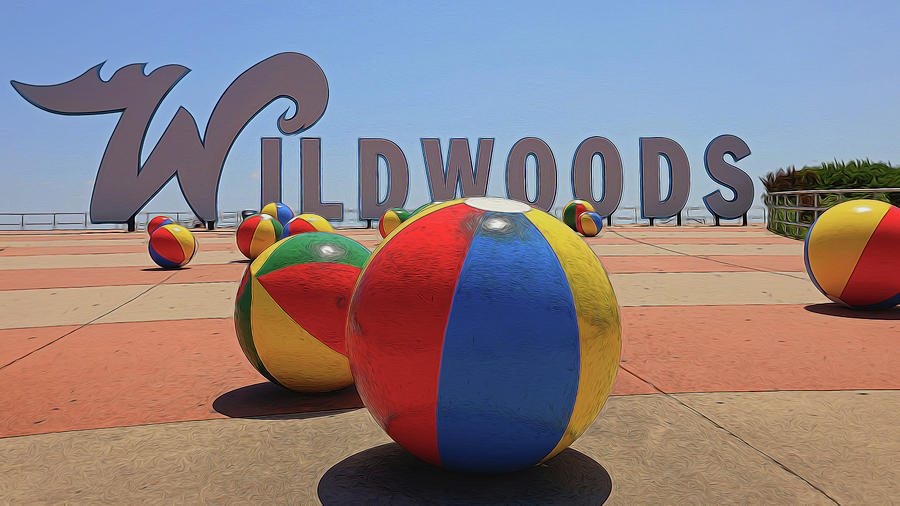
x=83, y=325
x=732, y=434
x=701, y=257
x=263, y=418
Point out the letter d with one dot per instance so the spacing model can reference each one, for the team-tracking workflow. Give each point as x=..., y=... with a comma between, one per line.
x=370, y=150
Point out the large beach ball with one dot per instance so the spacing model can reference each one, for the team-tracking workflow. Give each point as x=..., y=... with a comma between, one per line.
x=257, y=233
x=307, y=222
x=157, y=222
x=391, y=219
x=172, y=246
x=279, y=211
x=852, y=254
x=291, y=310
x=589, y=223
x=573, y=210
x=424, y=207
x=484, y=335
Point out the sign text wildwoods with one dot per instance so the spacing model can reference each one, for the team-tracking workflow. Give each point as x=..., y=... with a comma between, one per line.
x=123, y=185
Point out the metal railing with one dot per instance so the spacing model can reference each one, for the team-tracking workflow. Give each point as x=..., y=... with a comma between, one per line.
x=800, y=208
x=628, y=215
x=55, y=221
x=82, y=221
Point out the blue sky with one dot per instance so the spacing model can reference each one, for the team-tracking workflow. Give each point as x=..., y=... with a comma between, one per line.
x=800, y=82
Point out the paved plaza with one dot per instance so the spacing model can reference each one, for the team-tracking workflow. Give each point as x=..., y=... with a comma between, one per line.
x=739, y=382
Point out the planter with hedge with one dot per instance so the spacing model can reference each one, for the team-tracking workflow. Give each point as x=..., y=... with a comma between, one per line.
x=856, y=174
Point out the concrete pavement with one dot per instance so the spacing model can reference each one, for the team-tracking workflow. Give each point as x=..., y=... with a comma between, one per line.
x=739, y=383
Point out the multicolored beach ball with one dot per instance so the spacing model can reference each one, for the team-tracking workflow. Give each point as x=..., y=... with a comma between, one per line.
x=391, y=219
x=306, y=223
x=573, y=210
x=279, y=211
x=257, y=233
x=589, y=223
x=157, y=222
x=484, y=335
x=291, y=310
x=852, y=254
x=172, y=246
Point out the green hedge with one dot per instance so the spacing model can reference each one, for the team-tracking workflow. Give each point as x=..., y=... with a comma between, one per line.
x=829, y=176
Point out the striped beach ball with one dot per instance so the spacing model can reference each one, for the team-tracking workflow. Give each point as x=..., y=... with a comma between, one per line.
x=589, y=223
x=257, y=233
x=505, y=345
x=157, y=222
x=279, y=211
x=391, y=219
x=291, y=310
x=573, y=210
x=852, y=254
x=306, y=223
x=172, y=246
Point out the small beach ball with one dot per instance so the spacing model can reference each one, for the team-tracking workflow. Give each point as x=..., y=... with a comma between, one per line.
x=573, y=210
x=391, y=219
x=306, y=223
x=172, y=246
x=496, y=351
x=279, y=211
x=257, y=233
x=157, y=222
x=852, y=252
x=589, y=223
x=291, y=310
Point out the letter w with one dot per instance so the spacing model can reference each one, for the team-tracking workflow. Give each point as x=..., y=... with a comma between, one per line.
x=459, y=172
x=123, y=186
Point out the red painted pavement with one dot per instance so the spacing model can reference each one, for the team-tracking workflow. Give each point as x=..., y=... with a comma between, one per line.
x=750, y=348
x=15, y=343
x=29, y=279
x=100, y=249
x=134, y=373
x=119, y=374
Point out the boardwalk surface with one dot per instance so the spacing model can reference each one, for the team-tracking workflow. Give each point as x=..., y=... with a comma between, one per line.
x=739, y=383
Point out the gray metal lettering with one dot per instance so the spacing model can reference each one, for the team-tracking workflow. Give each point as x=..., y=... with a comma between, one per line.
x=459, y=174
x=652, y=203
x=370, y=150
x=311, y=182
x=728, y=175
x=123, y=186
x=582, y=174
x=270, y=170
x=546, y=172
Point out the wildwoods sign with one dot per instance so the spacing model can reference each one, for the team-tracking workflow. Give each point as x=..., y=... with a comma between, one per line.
x=123, y=185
